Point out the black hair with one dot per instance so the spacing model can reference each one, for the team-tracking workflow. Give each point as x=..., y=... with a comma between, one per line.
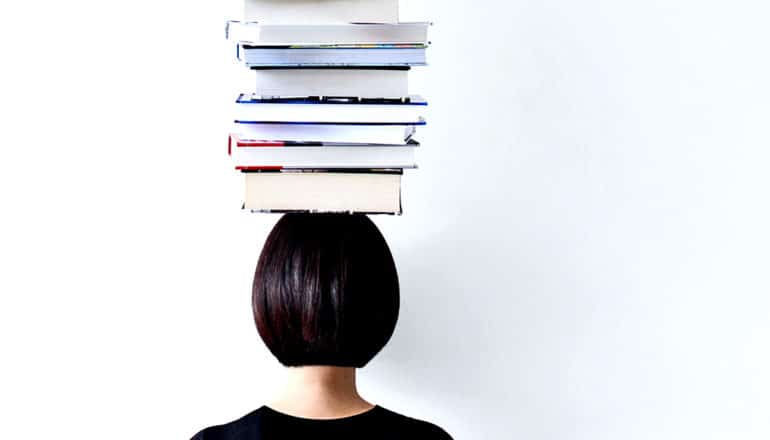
x=325, y=290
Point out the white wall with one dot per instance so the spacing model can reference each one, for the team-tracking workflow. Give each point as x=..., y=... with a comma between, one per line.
x=583, y=255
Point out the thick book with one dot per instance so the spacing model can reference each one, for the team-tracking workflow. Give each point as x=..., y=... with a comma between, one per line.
x=257, y=154
x=360, y=133
x=292, y=34
x=249, y=107
x=363, y=83
x=332, y=55
x=366, y=191
x=321, y=11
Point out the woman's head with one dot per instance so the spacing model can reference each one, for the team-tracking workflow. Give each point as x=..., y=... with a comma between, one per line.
x=325, y=290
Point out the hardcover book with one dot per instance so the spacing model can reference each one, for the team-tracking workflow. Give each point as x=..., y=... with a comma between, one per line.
x=363, y=83
x=408, y=109
x=369, y=191
x=321, y=11
x=332, y=55
x=295, y=34
x=257, y=154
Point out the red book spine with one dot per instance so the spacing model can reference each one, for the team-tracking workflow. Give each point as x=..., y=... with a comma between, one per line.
x=258, y=168
x=242, y=144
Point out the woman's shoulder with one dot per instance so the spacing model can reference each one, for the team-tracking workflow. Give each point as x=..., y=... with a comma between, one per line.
x=242, y=428
x=416, y=428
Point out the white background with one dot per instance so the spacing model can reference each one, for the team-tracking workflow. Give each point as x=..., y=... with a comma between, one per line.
x=583, y=254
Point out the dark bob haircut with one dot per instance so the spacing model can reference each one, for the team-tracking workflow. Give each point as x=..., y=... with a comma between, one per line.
x=325, y=290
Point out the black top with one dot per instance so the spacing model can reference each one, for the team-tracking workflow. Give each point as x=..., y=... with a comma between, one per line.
x=376, y=424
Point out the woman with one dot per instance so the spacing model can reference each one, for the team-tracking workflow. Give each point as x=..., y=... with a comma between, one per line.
x=325, y=301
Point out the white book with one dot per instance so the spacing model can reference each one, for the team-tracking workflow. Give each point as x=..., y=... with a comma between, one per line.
x=387, y=55
x=335, y=133
x=362, y=83
x=249, y=155
x=375, y=193
x=321, y=11
x=329, y=110
x=293, y=34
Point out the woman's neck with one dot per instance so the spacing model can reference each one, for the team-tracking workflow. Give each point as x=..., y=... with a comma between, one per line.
x=320, y=392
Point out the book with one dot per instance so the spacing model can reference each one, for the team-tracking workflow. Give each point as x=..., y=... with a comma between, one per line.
x=366, y=191
x=369, y=133
x=329, y=109
x=255, y=154
x=363, y=83
x=292, y=34
x=362, y=55
x=321, y=11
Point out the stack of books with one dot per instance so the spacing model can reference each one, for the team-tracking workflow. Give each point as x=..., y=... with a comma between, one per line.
x=330, y=125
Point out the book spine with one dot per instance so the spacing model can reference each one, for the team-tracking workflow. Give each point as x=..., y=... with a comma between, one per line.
x=258, y=168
